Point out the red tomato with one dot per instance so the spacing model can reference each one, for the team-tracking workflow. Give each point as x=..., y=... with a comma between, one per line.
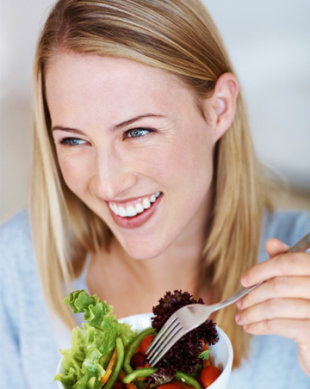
x=181, y=385
x=208, y=375
x=169, y=386
x=145, y=343
x=118, y=385
x=138, y=360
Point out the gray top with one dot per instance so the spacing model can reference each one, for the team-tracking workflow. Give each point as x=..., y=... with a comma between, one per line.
x=31, y=336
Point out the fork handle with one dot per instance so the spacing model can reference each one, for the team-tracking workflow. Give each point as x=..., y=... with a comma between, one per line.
x=302, y=245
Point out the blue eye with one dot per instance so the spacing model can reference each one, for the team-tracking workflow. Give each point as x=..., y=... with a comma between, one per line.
x=72, y=141
x=137, y=132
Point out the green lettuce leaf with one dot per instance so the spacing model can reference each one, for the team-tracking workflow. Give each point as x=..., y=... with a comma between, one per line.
x=204, y=354
x=92, y=344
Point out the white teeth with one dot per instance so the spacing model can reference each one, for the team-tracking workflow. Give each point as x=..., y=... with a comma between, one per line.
x=122, y=211
x=131, y=211
x=146, y=203
x=114, y=208
x=139, y=208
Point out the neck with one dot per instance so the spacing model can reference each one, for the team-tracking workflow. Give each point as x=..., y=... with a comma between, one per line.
x=114, y=273
x=177, y=267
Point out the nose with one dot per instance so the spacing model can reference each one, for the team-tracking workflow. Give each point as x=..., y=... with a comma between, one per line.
x=113, y=176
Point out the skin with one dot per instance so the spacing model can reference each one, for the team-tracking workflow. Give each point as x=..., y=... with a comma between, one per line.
x=281, y=305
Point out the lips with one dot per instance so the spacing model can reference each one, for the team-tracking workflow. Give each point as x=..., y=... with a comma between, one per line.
x=134, y=213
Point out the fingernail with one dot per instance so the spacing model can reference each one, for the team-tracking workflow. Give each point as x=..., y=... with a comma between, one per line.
x=248, y=329
x=238, y=318
x=244, y=280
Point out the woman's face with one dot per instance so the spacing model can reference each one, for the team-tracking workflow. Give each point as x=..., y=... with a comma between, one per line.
x=134, y=147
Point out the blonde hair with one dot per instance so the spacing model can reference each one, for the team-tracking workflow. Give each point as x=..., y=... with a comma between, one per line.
x=178, y=36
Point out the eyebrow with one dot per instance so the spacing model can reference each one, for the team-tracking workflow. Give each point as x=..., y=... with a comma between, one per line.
x=122, y=124
x=130, y=121
x=62, y=128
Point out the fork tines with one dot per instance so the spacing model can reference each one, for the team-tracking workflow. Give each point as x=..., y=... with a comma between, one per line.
x=170, y=333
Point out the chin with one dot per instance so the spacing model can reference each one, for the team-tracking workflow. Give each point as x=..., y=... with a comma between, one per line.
x=143, y=251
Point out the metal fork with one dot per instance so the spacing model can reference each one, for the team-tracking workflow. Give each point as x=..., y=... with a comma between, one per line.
x=191, y=316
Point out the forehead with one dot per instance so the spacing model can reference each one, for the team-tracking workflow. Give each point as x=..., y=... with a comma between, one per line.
x=70, y=75
x=86, y=91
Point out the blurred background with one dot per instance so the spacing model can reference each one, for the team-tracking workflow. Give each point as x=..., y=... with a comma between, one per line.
x=269, y=43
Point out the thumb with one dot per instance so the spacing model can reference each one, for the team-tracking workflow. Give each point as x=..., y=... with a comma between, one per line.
x=275, y=247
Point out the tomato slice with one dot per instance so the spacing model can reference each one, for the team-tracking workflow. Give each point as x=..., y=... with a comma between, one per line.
x=208, y=375
x=145, y=343
x=118, y=385
x=169, y=386
x=138, y=360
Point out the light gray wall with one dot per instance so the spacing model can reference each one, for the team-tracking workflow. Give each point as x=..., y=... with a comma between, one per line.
x=20, y=23
x=269, y=42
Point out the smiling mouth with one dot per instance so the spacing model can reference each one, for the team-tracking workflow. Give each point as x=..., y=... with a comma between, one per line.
x=136, y=208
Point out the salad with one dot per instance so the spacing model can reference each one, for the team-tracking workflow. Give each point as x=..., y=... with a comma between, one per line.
x=108, y=354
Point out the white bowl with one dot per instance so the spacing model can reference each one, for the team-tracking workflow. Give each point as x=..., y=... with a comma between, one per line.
x=221, y=353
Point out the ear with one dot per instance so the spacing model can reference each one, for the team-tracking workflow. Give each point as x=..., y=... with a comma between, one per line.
x=221, y=106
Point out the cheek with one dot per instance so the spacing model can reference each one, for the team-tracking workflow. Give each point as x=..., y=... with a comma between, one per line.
x=193, y=167
x=190, y=158
x=185, y=168
x=75, y=172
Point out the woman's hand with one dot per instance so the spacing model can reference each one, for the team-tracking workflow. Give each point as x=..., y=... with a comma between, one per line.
x=281, y=305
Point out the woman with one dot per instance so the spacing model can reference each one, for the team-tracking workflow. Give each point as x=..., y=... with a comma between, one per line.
x=145, y=180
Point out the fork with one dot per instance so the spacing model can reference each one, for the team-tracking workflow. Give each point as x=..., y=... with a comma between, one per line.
x=191, y=316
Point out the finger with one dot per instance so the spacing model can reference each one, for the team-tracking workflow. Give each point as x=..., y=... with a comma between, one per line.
x=278, y=287
x=296, y=329
x=275, y=247
x=283, y=308
x=295, y=264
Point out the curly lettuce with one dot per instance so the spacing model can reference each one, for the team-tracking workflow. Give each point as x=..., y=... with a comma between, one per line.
x=92, y=344
x=187, y=354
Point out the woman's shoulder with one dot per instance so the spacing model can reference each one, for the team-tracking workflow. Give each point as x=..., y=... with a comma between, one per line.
x=288, y=226
x=16, y=247
x=16, y=229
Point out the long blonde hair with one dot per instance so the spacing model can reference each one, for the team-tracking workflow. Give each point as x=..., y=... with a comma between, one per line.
x=178, y=36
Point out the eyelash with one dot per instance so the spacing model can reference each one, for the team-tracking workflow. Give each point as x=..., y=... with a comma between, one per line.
x=128, y=133
x=69, y=141
x=132, y=133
